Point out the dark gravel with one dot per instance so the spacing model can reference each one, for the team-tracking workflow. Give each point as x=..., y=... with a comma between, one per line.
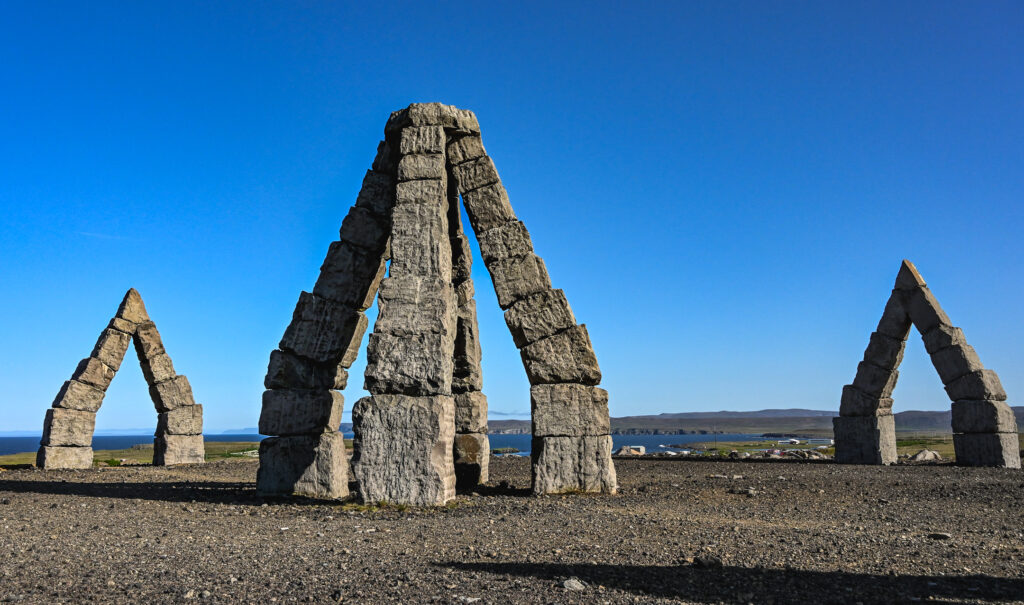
x=780, y=533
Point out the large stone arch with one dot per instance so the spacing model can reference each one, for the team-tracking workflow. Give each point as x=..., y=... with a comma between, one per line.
x=70, y=422
x=984, y=427
x=424, y=427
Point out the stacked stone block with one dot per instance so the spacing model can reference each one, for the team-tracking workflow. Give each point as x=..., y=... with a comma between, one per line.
x=302, y=406
x=69, y=425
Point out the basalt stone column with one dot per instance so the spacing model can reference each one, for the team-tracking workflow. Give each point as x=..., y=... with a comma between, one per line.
x=556, y=352
x=301, y=406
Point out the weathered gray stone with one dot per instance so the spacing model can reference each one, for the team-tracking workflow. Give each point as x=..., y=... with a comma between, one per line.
x=59, y=457
x=377, y=193
x=955, y=361
x=411, y=305
x=467, y=375
x=309, y=465
x=978, y=385
x=324, y=331
x=568, y=410
x=75, y=395
x=403, y=449
x=365, y=229
x=508, y=240
x=924, y=310
x=858, y=403
x=157, y=368
x=171, y=394
x=865, y=440
x=894, y=322
x=516, y=278
x=350, y=275
x=186, y=420
x=987, y=449
x=474, y=174
x=94, y=372
x=295, y=412
x=462, y=258
x=470, y=412
x=432, y=193
x=875, y=381
x=941, y=337
x=884, y=351
x=386, y=159
x=487, y=207
x=465, y=149
x=68, y=427
x=420, y=245
x=563, y=464
x=111, y=347
x=538, y=316
x=983, y=417
x=122, y=325
x=421, y=166
x=454, y=120
x=464, y=292
x=419, y=364
x=422, y=139
x=908, y=278
x=565, y=357
x=132, y=309
x=472, y=456
x=147, y=341
x=289, y=371
x=178, y=449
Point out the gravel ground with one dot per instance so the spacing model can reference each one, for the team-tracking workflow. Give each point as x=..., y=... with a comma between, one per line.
x=680, y=531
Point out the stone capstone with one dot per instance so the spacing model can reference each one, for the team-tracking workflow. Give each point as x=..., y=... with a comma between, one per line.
x=865, y=440
x=289, y=371
x=563, y=464
x=309, y=465
x=987, y=449
x=75, y=395
x=569, y=410
x=324, y=331
x=178, y=449
x=565, y=357
x=186, y=420
x=295, y=412
x=132, y=309
x=68, y=428
x=60, y=457
x=171, y=394
x=94, y=372
x=908, y=278
x=538, y=316
x=454, y=120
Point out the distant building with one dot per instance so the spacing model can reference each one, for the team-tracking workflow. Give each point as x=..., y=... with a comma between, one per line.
x=631, y=450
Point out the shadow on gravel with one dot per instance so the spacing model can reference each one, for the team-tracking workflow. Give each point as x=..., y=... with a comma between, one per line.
x=760, y=585
x=179, y=491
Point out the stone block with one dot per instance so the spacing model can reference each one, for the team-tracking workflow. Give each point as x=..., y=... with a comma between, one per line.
x=471, y=412
x=122, y=325
x=894, y=322
x=422, y=139
x=563, y=464
x=295, y=412
x=865, y=440
x=403, y=449
x=464, y=292
x=94, y=372
x=186, y=420
x=983, y=417
x=472, y=456
x=178, y=449
x=508, y=240
x=564, y=357
x=884, y=351
x=111, y=347
x=978, y=385
x=387, y=157
x=315, y=466
x=474, y=174
x=858, y=403
x=465, y=149
x=941, y=337
x=955, y=361
x=467, y=375
x=75, y=395
x=68, y=427
x=349, y=275
x=365, y=229
x=147, y=341
x=462, y=259
x=875, y=381
x=516, y=278
x=538, y=316
x=410, y=305
x=432, y=193
x=324, y=331
x=453, y=119
x=377, y=193
x=924, y=310
x=132, y=309
x=171, y=394
x=289, y=371
x=488, y=208
x=58, y=457
x=421, y=166
x=908, y=278
x=568, y=410
x=987, y=449
x=420, y=245
x=419, y=364
x=157, y=368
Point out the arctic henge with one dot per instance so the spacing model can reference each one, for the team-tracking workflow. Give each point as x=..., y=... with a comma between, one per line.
x=423, y=429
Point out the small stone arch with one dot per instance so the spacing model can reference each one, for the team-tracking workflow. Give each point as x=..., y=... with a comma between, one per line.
x=984, y=427
x=71, y=421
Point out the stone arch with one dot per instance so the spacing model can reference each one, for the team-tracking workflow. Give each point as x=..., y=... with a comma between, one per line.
x=70, y=422
x=984, y=427
x=424, y=427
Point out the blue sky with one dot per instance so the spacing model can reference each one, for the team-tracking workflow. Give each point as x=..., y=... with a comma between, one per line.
x=724, y=190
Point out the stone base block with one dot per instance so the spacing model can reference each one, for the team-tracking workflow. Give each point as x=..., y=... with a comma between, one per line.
x=987, y=449
x=983, y=417
x=472, y=455
x=68, y=427
x=403, y=449
x=865, y=440
x=58, y=457
x=563, y=464
x=178, y=449
x=571, y=410
x=307, y=465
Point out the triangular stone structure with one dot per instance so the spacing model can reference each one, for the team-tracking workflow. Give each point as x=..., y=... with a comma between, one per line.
x=69, y=424
x=424, y=428
x=984, y=427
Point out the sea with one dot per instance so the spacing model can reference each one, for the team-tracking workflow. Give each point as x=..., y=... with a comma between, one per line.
x=653, y=443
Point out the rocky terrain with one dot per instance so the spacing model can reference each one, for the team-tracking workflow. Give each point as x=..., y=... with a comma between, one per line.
x=679, y=531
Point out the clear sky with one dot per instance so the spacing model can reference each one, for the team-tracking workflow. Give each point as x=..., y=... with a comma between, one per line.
x=724, y=189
